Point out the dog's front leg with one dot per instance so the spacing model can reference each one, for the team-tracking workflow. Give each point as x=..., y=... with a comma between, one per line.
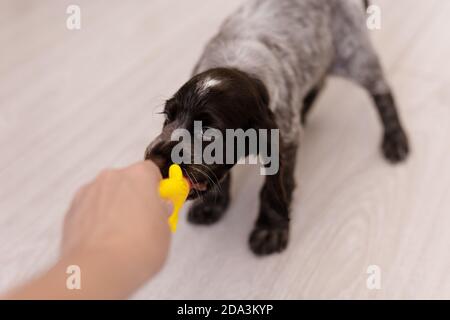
x=271, y=231
x=211, y=207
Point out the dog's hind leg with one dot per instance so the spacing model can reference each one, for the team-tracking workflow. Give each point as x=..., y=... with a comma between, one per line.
x=395, y=144
x=356, y=60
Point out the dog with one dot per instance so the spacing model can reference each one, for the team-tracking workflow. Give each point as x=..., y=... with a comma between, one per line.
x=264, y=70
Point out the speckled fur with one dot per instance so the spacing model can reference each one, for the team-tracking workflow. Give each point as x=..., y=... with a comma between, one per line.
x=291, y=45
x=276, y=54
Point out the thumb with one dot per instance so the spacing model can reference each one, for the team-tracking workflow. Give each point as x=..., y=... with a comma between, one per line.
x=168, y=207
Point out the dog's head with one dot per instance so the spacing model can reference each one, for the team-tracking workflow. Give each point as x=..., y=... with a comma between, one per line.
x=219, y=99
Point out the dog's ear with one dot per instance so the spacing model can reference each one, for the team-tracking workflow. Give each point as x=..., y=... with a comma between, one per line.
x=263, y=94
x=266, y=120
x=265, y=116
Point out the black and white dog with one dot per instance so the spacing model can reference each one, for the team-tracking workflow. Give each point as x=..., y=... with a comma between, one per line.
x=264, y=69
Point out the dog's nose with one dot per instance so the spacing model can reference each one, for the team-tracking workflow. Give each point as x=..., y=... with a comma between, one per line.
x=159, y=161
x=153, y=151
x=158, y=154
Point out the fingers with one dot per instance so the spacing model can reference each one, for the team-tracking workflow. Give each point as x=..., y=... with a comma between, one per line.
x=144, y=177
x=146, y=168
x=168, y=206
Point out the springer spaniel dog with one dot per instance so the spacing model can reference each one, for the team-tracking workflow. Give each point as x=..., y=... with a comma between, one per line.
x=264, y=70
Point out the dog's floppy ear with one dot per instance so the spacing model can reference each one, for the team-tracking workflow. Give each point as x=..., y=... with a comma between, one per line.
x=263, y=94
x=265, y=117
x=266, y=120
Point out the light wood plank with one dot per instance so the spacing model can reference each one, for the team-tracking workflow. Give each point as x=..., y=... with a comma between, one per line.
x=72, y=103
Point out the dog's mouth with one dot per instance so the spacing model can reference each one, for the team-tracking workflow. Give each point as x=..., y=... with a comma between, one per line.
x=201, y=184
x=197, y=188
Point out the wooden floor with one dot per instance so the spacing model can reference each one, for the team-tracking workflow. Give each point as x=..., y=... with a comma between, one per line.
x=73, y=102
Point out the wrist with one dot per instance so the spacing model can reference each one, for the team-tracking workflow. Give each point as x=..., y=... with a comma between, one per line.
x=103, y=273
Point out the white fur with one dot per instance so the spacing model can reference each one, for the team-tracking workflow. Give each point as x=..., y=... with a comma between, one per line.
x=207, y=84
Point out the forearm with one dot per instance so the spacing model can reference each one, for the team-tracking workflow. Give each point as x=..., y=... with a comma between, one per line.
x=103, y=275
x=115, y=233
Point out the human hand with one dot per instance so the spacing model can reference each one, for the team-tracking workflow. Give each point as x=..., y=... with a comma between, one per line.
x=121, y=214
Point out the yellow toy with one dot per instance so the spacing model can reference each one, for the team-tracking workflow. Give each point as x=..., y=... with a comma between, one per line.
x=175, y=189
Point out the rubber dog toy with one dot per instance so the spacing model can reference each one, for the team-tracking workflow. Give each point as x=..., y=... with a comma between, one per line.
x=175, y=189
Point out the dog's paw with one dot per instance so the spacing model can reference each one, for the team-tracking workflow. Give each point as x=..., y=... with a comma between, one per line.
x=395, y=146
x=204, y=213
x=264, y=241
